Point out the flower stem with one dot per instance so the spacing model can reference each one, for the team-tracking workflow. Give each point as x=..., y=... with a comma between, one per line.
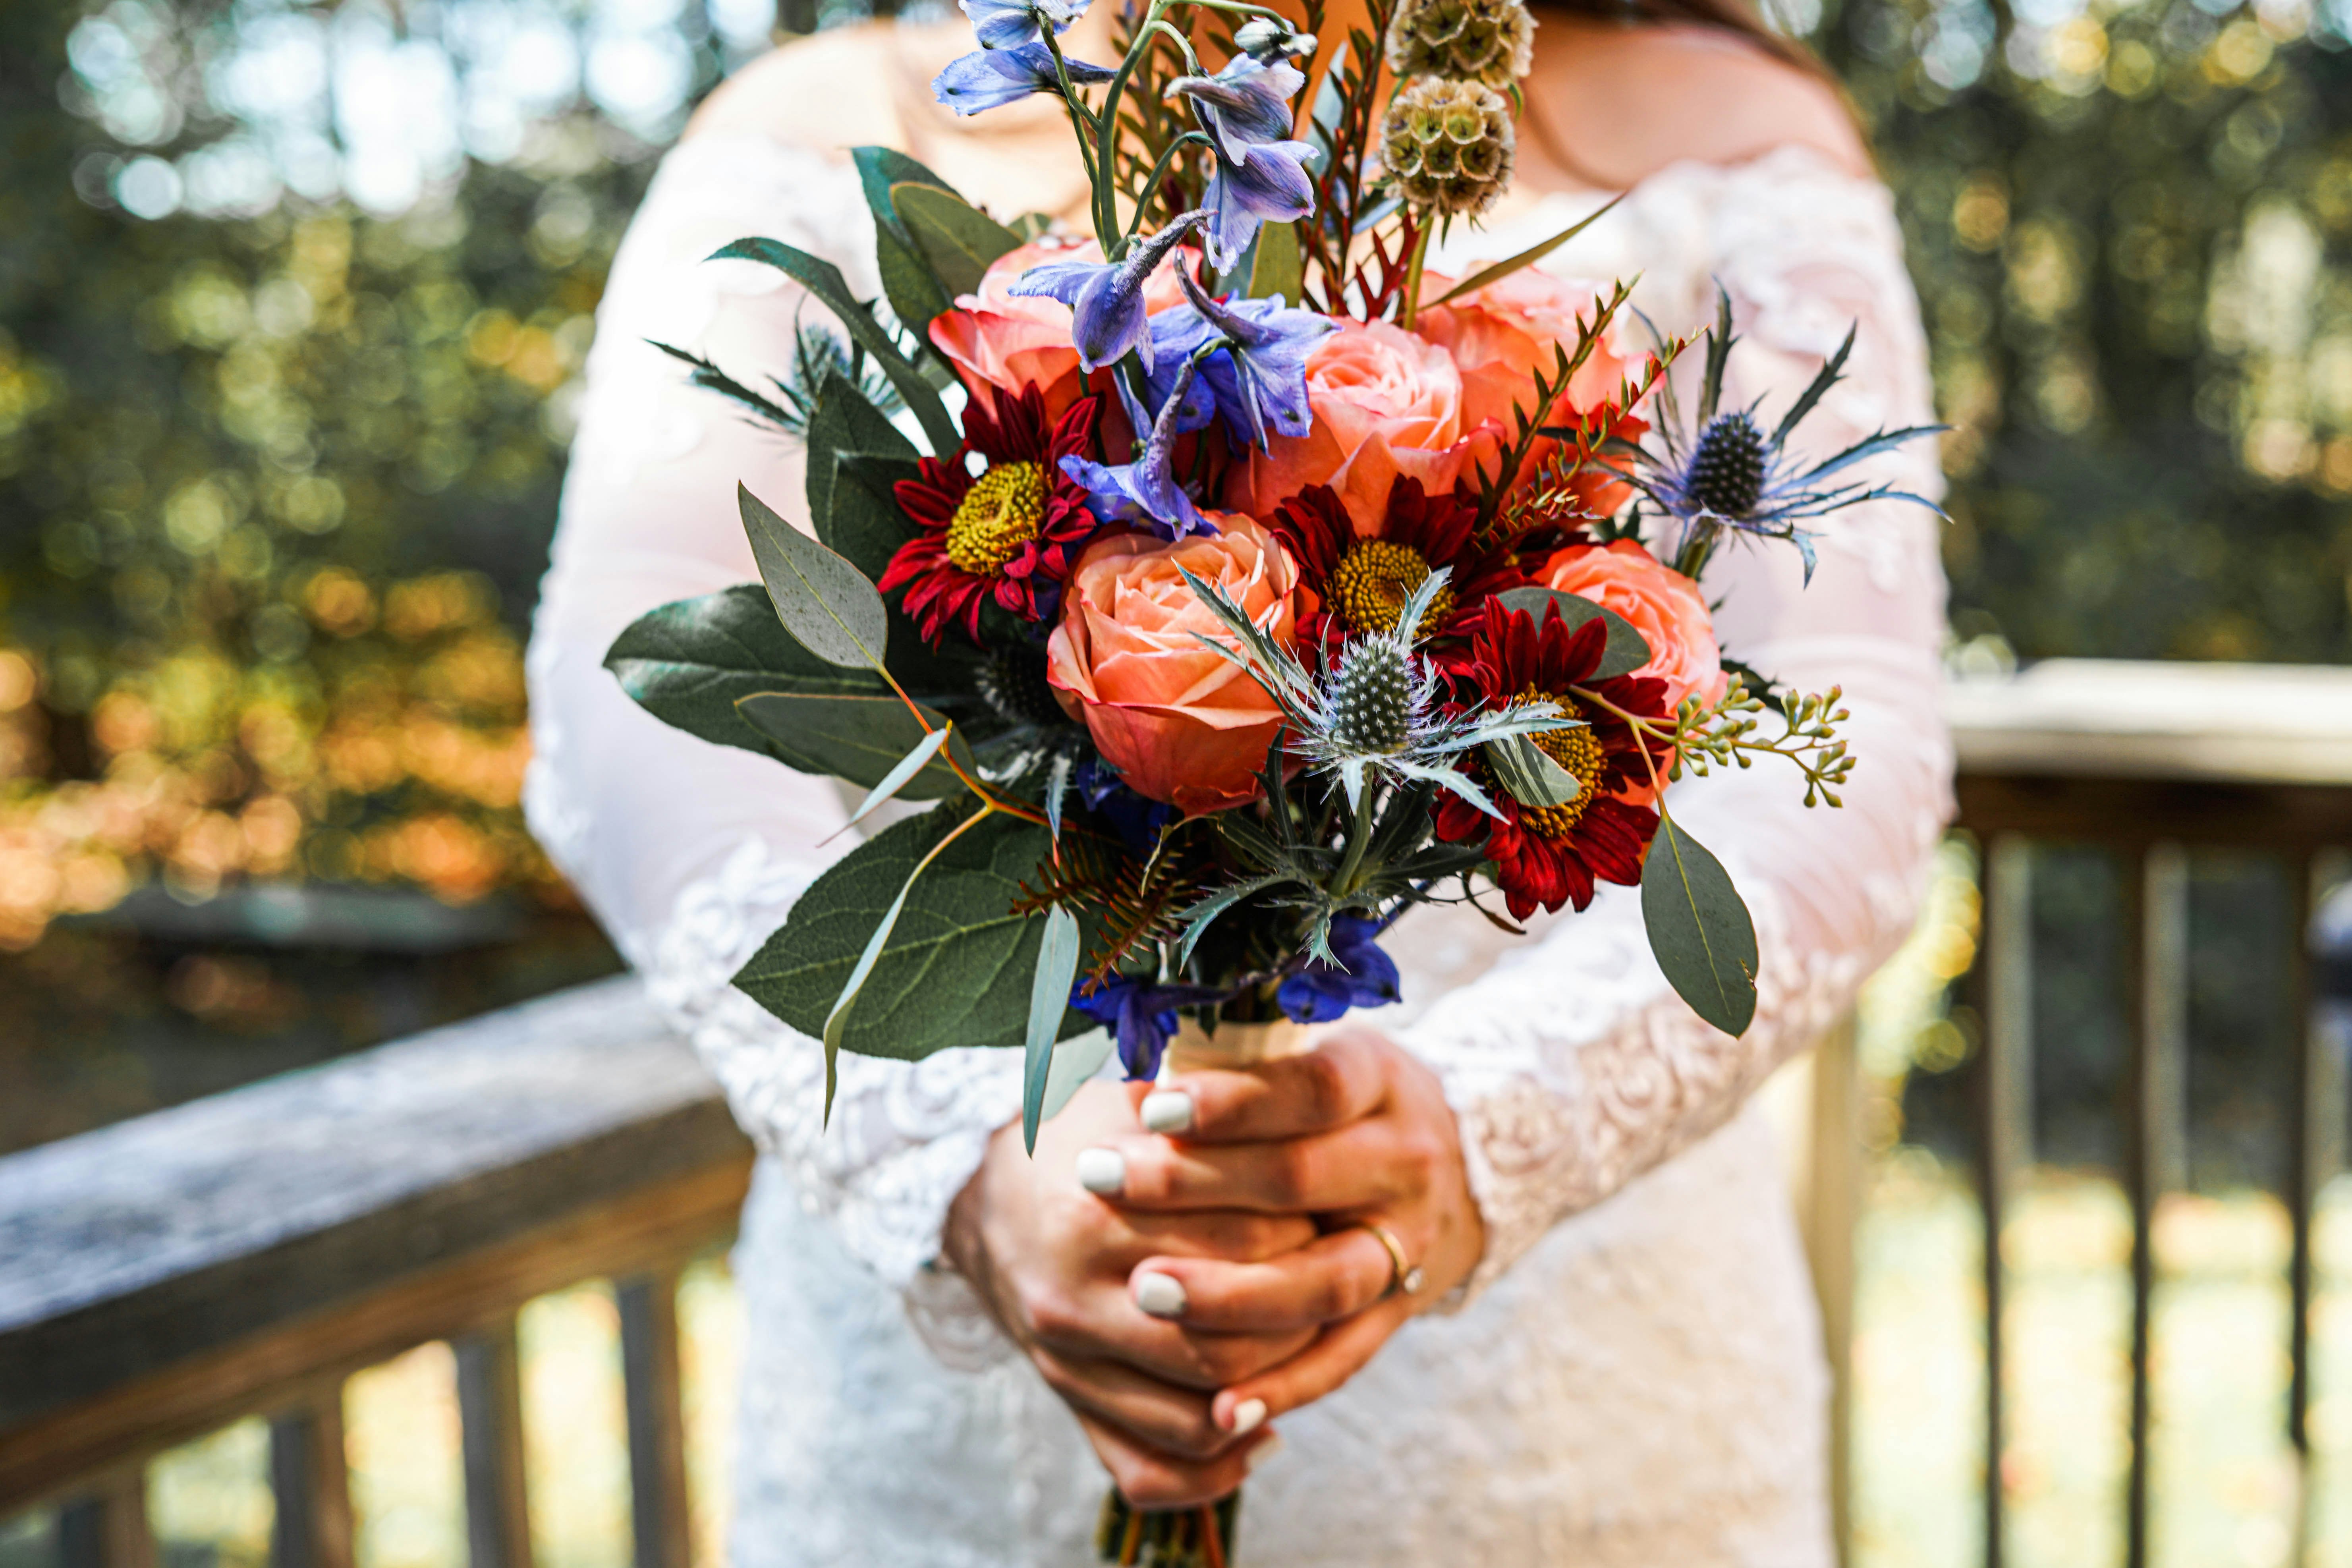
x=1359, y=839
x=1409, y=305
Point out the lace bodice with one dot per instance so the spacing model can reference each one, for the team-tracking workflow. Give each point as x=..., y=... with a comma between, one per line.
x=1571, y=1065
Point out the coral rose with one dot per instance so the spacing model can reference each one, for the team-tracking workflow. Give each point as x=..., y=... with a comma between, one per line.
x=1660, y=603
x=996, y=339
x=1179, y=723
x=1386, y=404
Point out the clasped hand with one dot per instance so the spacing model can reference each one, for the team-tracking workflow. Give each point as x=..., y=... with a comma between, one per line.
x=1215, y=1277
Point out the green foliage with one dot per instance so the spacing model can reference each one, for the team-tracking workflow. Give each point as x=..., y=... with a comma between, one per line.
x=860, y=739
x=1625, y=651
x=1699, y=929
x=690, y=663
x=823, y=600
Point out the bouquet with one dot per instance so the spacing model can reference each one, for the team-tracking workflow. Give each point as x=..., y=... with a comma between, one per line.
x=1230, y=582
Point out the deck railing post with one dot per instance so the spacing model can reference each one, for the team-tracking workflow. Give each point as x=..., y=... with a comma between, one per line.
x=650, y=1378
x=311, y=1486
x=2004, y=981
x=107, y=1527
x=490, y=1409
x=2156, y=960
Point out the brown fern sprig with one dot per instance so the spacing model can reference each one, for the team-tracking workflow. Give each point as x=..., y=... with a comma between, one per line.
x=1136, y=900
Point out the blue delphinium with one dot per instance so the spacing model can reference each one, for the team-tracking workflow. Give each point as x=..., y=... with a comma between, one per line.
x=1002, y=24
x=1257, y=376
x=991, y=78
x=1261, y=174
x=1724, y=474
x=1106, y=298
x=1144, y=491
x=1141, y=1015
x=1360, y=977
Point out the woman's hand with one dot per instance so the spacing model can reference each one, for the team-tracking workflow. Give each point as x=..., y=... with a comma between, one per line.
x=1356, y=1130
x=1053, y=1262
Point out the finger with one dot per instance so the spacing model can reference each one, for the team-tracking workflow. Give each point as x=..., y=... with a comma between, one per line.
x=1338, y=1354
x=1235, y=1235
x=1104, y=1324
x=1335, y=1277
x=1174, y=1420
x=1151, y=1479
x=1342, y=1078
x=1366, y=1164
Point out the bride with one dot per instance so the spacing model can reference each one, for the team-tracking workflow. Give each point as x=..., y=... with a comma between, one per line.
x=1615, y=1357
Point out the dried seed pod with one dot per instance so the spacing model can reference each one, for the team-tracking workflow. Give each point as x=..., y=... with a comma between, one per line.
x=1488, y=41
x=1449, y=145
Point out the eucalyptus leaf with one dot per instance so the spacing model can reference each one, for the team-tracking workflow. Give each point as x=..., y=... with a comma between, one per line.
x=895, y=781
x=836, y=1022
x=1074, y=1061
x=1626, y=651
x=824, y=281
x=860, y=739
x=1528, y=257
x=863, y=521
x=1275, y=266
x=1699, y=929
x=957, y=238
x=1530, y=774
x=1049, y=999
x=823, y=600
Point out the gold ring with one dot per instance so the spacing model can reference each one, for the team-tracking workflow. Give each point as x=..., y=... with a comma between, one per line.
x=1404, y=1278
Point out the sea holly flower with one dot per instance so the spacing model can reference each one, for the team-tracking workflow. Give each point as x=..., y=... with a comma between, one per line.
x=1360, y=581
x=1004, y=24
x=1144, y=491
x=1107, y=298
x=991, y=78
x=1256, y=378
x=1357, y=975
x=1547, y=856
x=1012, y=533
x=1261, y=174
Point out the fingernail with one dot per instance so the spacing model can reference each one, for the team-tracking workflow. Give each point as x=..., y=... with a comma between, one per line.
x=1161, y=1295
x=1263, y=1451
x=1248, y=1416
x=1167, y=1110
x=1102, y=1172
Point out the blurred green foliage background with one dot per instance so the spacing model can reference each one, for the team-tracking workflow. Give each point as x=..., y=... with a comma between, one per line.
x=292, y=298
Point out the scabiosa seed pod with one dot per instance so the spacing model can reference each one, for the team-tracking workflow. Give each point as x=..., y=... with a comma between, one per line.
x=1371, y=697
x=1727, y=470
x=1449, y=145
x=1013, y=683
x=1488, y=41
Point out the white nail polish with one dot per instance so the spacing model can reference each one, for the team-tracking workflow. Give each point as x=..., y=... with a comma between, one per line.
x=1161, y=1295
x=1167, y=1110
x=1102, y=1172
x=1248, y=1416
x=1265, y=1450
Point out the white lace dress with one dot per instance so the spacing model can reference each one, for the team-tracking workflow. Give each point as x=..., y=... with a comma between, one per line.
x=1638, y=1379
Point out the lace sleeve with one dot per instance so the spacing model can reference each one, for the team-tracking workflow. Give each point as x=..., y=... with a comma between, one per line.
x=691, y=853
x=1572, y=1064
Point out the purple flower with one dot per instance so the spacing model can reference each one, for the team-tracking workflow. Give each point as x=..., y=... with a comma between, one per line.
x=1138, y=822
x=1002, y=24
x=991, y=78
x=1364, y=977
x=1145, y=490
x=1106, y=298
x=1261, y=174
x=1141, y=1015
x=1257, y=380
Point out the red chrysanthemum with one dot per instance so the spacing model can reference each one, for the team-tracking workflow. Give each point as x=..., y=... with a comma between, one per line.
x=1011, y=532
x=1355, y=582
x=1552, y=855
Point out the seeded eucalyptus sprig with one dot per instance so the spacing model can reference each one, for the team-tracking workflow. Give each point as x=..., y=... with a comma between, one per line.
x=1731, y=734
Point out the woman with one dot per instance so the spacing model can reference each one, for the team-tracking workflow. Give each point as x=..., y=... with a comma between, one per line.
x=1615, y=1357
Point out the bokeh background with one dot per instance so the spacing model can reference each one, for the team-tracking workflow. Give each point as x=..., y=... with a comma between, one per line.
x=293, y=299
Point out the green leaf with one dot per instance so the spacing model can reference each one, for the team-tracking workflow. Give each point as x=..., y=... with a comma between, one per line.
x=956, y=969
x=689, y=663
x=1528, y=772
x=1049, y=999
x=1699, y=929
x=896, y=779
x=1528, y=257
x=957, y=238
x=863, y=523
x=860, y=739
x=1275, y=264
x=822, y=599
x=1074, y=1061
x=838, y=1021
x=881, y=168
x=1197, y=918
x=1625, y=653
x=913, y=289
x=824, y=281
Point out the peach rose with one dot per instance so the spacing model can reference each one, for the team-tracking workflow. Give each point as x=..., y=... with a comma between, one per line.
x=996, y=338
x=1179, y=723
x=1660, y=603
x=1386, y=404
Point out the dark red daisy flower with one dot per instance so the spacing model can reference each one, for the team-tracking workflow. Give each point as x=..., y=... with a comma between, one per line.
x=1552, y=855
x=1011, y=532
x=1357, y=583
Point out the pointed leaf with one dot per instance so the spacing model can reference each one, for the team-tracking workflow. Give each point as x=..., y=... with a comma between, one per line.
x=1718, y=356
x=1528, y=257
x=1074, y=1061
x=823, y=600
x=1049, y=998
x=836, y=1022
x=1275, y=266
x=957, y=238
x=1626, y=651
x=897, y=778
x=824, y=281
x=913, y=289
x=1832, y=368
x=1699, y=929
x=879, y=169
x=1198, y=918
x=689, y=663
x=862, y=740
x=1528, y=772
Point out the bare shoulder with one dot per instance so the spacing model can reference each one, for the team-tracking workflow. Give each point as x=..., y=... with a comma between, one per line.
x=1642, y=98
x=826, y=90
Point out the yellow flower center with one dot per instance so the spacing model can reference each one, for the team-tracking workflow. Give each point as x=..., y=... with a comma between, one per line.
x=1000, y=513
x=1373, y=580
x=1578, y=750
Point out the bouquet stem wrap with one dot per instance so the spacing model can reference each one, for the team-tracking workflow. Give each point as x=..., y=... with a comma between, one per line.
x=1192, y=1048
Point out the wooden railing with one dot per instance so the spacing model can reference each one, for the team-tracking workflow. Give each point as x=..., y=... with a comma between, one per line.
x=243, y=1255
